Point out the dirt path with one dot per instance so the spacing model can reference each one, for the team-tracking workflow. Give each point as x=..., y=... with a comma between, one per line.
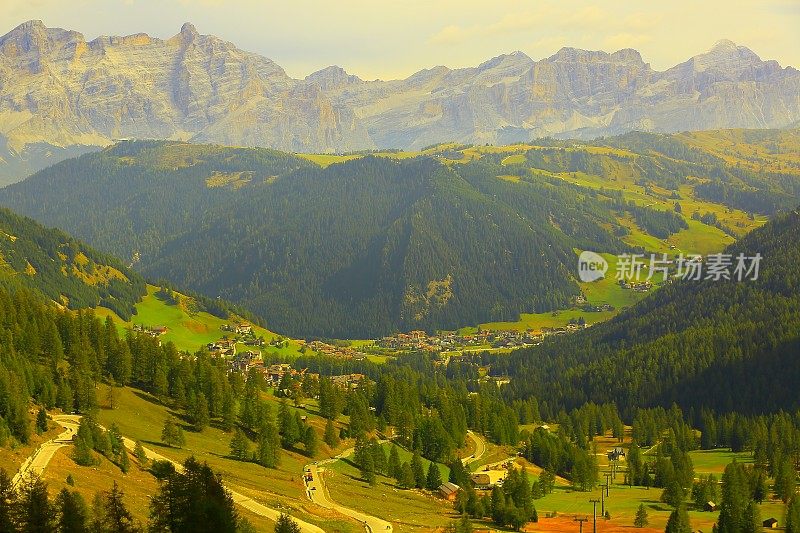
x=318, y=493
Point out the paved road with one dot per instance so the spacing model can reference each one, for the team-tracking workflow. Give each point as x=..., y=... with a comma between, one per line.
x=40, y=458
x=317, y=493
x=238, y=498
x=480, y=448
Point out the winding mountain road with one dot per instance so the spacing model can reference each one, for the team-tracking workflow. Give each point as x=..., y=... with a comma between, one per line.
x=480, y=448
x=317, y=493
x=71, y=422
x=40, y=458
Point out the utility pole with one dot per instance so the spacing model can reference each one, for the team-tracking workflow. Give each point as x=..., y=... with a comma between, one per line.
x=608, y=481
x=594, y=515
x=602, y=503
x=580, y=520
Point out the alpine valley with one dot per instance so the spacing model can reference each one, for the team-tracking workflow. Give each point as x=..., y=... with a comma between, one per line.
x=235, y=301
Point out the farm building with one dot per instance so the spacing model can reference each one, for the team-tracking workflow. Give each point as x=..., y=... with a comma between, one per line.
x=488, y=478
x=771, y=523
x=710, y=506
x=449, y=491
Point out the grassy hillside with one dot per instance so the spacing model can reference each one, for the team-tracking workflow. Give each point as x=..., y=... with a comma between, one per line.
x=141, y=417
x=189, y=328
x=63, y=269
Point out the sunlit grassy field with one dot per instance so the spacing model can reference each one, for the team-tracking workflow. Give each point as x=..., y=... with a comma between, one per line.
x=189, y=330
x=141, y=417
x=408, y=510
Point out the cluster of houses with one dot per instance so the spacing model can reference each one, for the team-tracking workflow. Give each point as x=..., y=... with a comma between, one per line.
x=636, y=286
x=242, y=328
x=223, y=347
x=421, y=341
x=153, y=331
x=273, y=374
x=340, y=352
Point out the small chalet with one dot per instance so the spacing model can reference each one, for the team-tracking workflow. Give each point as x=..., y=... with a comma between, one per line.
x=710, y=506
x=449, y=491
x=770, y=523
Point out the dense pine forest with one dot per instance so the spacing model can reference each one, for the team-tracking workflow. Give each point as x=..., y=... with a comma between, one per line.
x=725, y=345
x=382, y=243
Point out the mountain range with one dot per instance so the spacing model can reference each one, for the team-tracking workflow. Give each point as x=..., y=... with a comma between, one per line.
x=61, y=95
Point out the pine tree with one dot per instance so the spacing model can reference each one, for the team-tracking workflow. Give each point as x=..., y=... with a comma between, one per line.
x=228, y=413
x=290, y=432
x=41, y=421
x=464, y=525
x=434, y=478
x=82, y=453
x=635, y=469
x=73, y=514
x=115, y=516
x=124, y=461
x=368, y=469
x=268, y=453
x=792, y=518
x=679, y=521
x=172, y=434
x=418, y=470
x=139, y=453
x=641, y=517
x=735, y=498
x=310, y=441
x=200, y=415
x=406, y=479
x=498, y=506
x=115, y=438
x=752, y=519
x=378, y=457
x=547, y=481
x=785, y=480
x=8, y=502
x=393, y=466
x=285, y=524
x=34, y=512
x=673, y=493
x=193, y=500
x=240, y=446
x=331, y=437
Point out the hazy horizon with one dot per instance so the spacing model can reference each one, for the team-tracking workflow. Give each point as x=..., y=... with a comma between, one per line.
x=396, y=39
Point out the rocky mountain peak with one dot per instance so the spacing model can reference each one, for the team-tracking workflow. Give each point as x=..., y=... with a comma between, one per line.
x=725, y=58
x=27, y=36
x=578, y=55
x=513, y=60
x=332, y=77
x=724, y=45
x=189, y=30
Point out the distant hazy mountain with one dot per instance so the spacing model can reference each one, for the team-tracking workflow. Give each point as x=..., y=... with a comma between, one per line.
x=57, y=89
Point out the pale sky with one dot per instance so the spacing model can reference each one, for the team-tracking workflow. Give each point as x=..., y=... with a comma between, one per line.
x=393, y=39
